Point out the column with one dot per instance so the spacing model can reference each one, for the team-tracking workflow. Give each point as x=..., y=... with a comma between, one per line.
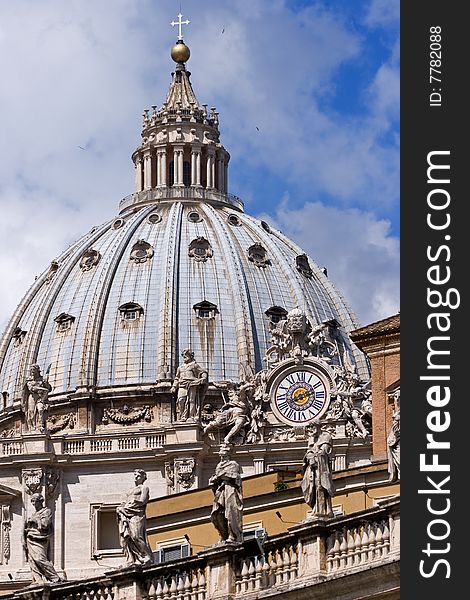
x=226, y=177
x=147, y=172
x=138, y=175
x=159, y=168
x=163, y=180
x=210, y=169
x=178, y=166
x=198, y=168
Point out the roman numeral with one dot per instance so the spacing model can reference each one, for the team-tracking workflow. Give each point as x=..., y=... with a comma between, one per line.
x=320, y=394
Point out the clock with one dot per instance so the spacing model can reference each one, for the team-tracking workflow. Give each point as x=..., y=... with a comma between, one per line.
x=300, y=395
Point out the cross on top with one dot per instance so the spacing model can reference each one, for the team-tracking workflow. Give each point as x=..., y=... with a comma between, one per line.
x=179, y=22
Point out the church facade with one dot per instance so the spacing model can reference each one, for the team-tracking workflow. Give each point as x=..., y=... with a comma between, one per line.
x=182, y=325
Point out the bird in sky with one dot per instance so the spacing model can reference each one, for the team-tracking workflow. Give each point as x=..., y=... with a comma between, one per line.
x=81, y=147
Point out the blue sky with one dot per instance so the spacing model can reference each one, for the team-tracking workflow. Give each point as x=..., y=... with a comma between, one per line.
x=308, y=95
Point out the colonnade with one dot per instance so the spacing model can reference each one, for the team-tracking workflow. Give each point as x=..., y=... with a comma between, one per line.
x=151, y=169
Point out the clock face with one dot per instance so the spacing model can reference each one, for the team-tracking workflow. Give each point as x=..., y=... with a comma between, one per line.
x=300, y=396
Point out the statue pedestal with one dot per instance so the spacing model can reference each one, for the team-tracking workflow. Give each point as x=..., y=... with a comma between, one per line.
x=312, y=559
x=36, y=442
x=222, y=563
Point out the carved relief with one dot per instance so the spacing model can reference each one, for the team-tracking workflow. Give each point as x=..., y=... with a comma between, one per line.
x=200, y=249
x=57, y=423
x=184, y=472
x=6, y=526
x=32, y=480
x=170, y=475
x=89, y=259
x=127, y=415
x=141, y=252
x=52, y=479
x=351, y=400
x=258, y=255
x=296, y=337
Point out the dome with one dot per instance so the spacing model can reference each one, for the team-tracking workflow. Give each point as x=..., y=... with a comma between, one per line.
x=180, y=266
x=119, y=306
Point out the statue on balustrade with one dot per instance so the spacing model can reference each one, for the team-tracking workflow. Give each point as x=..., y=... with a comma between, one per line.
x=191, y=386
x=317, y=483
x=35, y=399
x=37, y=533
x=132, y=522
x=393, y=441
x=227, y=508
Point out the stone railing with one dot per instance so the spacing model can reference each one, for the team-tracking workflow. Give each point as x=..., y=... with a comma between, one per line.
x=363, y=546
x=83, y=444
x=110, y=443
x=184, y=193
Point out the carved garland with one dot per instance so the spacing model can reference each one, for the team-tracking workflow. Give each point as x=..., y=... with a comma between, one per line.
x=56, y=423
x=126, y=415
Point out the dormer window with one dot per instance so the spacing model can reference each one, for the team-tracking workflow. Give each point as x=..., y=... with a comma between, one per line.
x=64, y=322
x=131, y=311
x=303, y=266
x=200, y=249
x=276, y=314
x=89, y=259
x=18, y=337
x=141, y=252
x=205, y=310
x=258, y=255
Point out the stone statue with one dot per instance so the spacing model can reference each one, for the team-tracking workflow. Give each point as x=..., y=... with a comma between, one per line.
x=34, y=402
x=36, y=535
x=132, y=522
x=227, y=509
x=234, y=414
x=296, y=337
x=317, y=484
x=347, y=393
x=393, y=441
x=191, y=384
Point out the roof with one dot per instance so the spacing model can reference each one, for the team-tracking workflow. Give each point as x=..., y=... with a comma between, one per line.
x=378, y=328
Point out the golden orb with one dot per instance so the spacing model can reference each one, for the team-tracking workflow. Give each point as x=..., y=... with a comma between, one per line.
x=180, y=52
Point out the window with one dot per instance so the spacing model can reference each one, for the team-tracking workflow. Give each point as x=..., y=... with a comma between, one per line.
x=200, y=249
x=258, y=255
x=154, y=218
x=118, y=223
x=64, y=322
x=194, y=217
x=18, y=337
x=141, y=252
x=186, y=174
x=205, y=310
x=174, y=549
x=303, y=266
x=104, y=531
x=131, y=311
x=234, y=220
x=265, y=226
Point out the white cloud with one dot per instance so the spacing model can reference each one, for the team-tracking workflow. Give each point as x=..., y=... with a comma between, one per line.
x=361, y=256
x=79, y=74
